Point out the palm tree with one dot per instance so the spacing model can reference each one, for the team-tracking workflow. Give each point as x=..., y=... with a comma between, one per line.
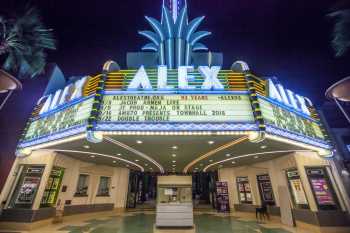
x=174, y=41
x=23, y=42
x=341, y=31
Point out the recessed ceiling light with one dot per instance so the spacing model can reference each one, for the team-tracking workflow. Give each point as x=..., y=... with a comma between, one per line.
x=92, y=156
x=233, y=162
x=211, y=142
x=211, y=160
x=136, y=160
x=151, y=169
x=86, y=146
x=139, y=142
x=263, y=147
x=228, y=155
x=174, y=165
x=174, y=155
x=174, y=147
x=114, y=161
x=196, y=168
x=255, y=157
x=174, y=161
x=119, y=154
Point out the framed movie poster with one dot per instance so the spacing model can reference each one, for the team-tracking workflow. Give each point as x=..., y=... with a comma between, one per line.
x=223, y=204
x=322, y=189
x=28, y=190
x=265, y=189
x=244, y=191
x=26, y=187
x=296, y=189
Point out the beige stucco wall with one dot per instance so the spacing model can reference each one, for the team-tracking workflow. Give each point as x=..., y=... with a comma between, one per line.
x=73, y=167
x=276, y=169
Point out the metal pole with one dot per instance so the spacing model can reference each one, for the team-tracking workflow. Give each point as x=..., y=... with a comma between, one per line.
x=342, y=109
x=5, y=100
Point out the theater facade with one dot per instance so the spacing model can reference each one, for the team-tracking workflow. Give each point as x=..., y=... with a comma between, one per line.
x=96, y=142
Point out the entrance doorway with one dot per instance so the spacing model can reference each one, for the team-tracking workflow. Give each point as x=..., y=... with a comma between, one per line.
x=142, y=191
x=204, y=189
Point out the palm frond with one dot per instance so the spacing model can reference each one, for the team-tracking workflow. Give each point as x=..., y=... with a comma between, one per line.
x=26, y=40
x=341, y=31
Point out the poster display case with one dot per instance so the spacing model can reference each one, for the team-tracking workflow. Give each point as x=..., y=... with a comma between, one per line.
x=321, y=187
x=244, y=190
x=52, y=187
x=26, y=187
x=223, y=204
x=296, y=189
x=265, y=189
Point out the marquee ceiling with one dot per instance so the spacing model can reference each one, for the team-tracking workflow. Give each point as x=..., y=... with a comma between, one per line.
x=153, y=153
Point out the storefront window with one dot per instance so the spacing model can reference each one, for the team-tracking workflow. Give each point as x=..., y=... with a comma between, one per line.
x=83, y=185
x=26, y=187
x=52, y=187
x=103, y=188
x=296, y=189
x=175, y=194
x=322, y=189
x=265, y=189
x=244, y=191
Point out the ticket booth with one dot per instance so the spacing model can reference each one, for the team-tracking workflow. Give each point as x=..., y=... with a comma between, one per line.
x=174, y=202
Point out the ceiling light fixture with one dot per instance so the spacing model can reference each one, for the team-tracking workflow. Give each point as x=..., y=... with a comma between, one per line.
x=119, y=154
x=92, y=156
x=139, y=142
x=136, y=160
x=114, y=161
x=86, y=146
x=174, y=155
x=211, y=142
x=174, y=147
x=228, y=155
x=263, y=147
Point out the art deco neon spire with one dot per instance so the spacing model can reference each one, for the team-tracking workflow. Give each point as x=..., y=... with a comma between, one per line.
x=175, y=6
x=174, y=38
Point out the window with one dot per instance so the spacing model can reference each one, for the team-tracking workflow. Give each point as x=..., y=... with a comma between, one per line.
x=82, y=187
x=245, y=194
x=103, y=188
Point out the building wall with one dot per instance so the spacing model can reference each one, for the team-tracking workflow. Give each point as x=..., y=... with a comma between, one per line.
x=312, y=218
x=72, y=168
x=275, y=168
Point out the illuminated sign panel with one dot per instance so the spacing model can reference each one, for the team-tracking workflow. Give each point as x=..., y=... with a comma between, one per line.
x=279, y=117
x=67, y=118
x=62, y=96
x=176, y=108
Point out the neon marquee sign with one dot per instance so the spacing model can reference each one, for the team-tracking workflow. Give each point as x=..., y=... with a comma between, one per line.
x=211, y=82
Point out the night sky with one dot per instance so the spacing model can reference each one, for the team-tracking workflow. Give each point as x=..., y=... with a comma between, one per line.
x=286, y=39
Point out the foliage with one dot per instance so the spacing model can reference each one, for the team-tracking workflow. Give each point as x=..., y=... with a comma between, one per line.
x=23, y=41
x=341, y=32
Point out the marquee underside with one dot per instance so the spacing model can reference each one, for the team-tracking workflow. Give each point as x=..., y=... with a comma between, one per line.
x=175, y=153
